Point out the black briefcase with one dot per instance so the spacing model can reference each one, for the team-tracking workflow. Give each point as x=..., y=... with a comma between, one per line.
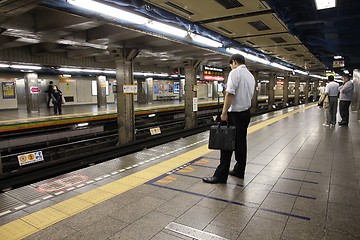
x=222, y=137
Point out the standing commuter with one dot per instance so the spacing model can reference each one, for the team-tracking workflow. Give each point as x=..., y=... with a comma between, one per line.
x=56, y=96
x=236, y=111
x=346, y=93
x=332, y=91
x=49, y=90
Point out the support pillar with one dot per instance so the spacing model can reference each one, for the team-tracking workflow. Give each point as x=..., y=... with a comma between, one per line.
x=125, y=102
x=306, y=90
x=315, y=90
x=254, y=100
x=32, y=92
x=286, y=91
x=101, y=91
x=271, y=91
x=191, y=94
x=297, y=91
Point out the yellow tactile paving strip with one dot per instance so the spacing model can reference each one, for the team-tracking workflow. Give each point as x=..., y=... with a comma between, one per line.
x=39, y=220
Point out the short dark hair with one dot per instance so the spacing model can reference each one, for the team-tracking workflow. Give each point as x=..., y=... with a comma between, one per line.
x=331, y=78
x=237, y=57
x=346, y=76
x=51, y=82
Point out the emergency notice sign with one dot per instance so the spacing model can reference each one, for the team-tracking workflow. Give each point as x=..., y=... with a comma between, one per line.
x=29, y=158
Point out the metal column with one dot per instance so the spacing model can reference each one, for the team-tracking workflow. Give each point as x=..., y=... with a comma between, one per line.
x=306, y=90
x=315, y=90
x=125, y=102
x=101, y=91
x=271, y=91
x=297, y=91
x=32, y=92
x=355, y=105
x=254, y=100
x=286, y=91
x=190, y=94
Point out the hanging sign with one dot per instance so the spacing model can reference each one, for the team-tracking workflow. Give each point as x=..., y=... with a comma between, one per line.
x=213, y=73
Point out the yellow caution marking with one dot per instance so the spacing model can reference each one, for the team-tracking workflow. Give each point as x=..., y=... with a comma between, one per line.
x=115, y=188
x=131, y=181
x=167, y=179
x=146, y=174
x=17, y=229
x=44, y=218
x=34, y=222
x=72, y=206
x=95, y=196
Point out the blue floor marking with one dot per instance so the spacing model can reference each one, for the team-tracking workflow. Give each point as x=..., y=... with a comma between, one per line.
x=292, y=179
x=233, y=202
x=186, y=175
x=295, y=195
x=304, y=170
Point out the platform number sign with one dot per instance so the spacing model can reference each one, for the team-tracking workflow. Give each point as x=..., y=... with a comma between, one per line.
x=29, y=158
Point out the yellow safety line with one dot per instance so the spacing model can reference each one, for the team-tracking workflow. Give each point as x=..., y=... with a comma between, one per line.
x=41, y=219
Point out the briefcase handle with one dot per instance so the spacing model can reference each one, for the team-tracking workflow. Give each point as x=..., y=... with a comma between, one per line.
x=227, y=123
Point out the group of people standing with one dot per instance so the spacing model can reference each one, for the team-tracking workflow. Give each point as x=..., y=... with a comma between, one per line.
x=329, y=99
x=55, y=95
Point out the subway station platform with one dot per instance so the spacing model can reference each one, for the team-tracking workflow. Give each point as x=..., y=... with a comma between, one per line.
x=301, y=182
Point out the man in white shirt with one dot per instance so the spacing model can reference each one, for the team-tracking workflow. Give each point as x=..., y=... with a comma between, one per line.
x=332, y=90
x=236, y=111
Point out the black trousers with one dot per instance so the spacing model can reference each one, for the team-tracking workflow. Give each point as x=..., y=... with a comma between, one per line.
x=344, y=111
x=241, y=122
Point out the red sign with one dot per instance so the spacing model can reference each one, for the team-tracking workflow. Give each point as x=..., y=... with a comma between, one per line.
x=58, y=184
x=213, y=78
x=34, y=90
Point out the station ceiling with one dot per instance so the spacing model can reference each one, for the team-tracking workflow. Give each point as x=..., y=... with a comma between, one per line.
x=291, y=31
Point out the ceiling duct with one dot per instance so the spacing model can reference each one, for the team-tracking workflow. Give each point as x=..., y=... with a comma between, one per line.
x=278, y=40
x=259, y=25
x=228, y=4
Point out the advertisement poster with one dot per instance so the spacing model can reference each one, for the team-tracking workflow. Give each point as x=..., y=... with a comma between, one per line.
x=8, y=89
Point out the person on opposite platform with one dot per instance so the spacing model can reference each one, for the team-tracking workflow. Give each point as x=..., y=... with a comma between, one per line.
x=236, y=111
x=56, y=96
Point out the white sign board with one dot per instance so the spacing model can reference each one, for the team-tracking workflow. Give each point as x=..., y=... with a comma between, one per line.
x=29, y=158
x=130, y=89
x=195, y=104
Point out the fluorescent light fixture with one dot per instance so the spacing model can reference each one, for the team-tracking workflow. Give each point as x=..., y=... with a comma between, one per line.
x=206, y=41
x=4, y=65
x=151, y=74
x=110, y=11
x=338, y=57
x=276, y=65
x=161, y=27
x=317, y=76
x=109, y=71
x=248, y=56
x=63, y=69
x=151, y=115
x=280, y=77
x=82, y=124
x=346, y=71
x=324, y=4
x=27, y=67
x=301, y=72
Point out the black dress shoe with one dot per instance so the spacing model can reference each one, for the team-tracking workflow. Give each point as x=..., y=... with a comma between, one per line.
x=213, y=180
x=235, y=174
